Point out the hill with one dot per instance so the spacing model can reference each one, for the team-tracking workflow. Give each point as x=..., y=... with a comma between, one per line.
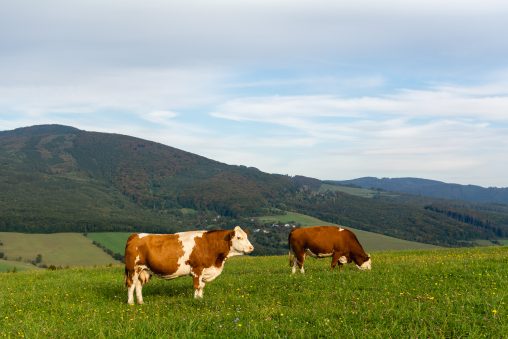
x=445, y=293
x=70, y=179
x=432, y=188
x=57, y=178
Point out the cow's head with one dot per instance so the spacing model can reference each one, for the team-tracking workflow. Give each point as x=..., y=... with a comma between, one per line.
x=366, y=265
x=239, y=242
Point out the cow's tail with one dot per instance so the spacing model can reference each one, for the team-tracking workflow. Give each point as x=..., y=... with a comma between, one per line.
x=128, y=278
x=291, y=254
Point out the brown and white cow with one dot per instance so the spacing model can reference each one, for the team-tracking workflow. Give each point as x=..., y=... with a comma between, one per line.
x=201, y=254
x=326, y=241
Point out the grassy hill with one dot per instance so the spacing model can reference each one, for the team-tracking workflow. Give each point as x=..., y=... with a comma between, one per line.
x=58, y=249
x=15, y=266
x=115, y=241
x=420, y=294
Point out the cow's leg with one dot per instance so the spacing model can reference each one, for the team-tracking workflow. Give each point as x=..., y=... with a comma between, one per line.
x=293, y=269
x=338, y=258
x=139, y=294
x=335, y=260
x=199, y=285
x=300, y=259
x=142, y=278
x=292, y=261
x=131, y=285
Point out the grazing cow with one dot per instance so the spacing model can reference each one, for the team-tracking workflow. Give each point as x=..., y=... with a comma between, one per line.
x=201, y=254
x=326, y=241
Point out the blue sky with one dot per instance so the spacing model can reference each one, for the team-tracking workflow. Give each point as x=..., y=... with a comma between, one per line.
x=326, y=89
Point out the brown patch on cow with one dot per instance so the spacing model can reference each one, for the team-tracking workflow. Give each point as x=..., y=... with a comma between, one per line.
x=210, y=250
x=339, y=242
x=158, y=252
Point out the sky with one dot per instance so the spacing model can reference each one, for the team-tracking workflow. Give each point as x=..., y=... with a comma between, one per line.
x=329, y=89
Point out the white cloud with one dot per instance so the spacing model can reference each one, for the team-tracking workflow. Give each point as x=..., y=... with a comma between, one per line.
x=441, y=102
x=132, y=90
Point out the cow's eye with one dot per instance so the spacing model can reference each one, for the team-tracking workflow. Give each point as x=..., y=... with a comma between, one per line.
x=239, y=237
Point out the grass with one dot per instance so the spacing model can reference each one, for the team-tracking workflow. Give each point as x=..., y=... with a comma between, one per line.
x=369, y=240
x=358, y=191
x=302, y=219
x=114, y=241
x=17, y=266
x=59, y=249
x=442, y=293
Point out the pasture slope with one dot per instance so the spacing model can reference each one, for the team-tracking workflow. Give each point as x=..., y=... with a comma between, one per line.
x=59, y=249
x=369, y=240
x=448, y=293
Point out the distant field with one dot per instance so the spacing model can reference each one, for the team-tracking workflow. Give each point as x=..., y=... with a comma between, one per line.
x=446, y=293
x=370, y=241
x=9, y=265
x=115, y=241
x=302, y=219
x=59, y=249
x=361, y=192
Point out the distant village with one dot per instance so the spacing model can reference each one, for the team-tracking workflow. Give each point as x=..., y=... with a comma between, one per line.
x=266, y=231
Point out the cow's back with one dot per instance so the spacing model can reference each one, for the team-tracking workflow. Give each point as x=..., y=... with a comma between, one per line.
x=321, y=239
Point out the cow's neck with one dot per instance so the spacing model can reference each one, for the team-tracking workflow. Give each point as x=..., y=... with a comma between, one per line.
x=359, y=258
x=219, y=242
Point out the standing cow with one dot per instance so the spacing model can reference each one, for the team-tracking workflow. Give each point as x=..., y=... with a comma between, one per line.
x=201, y=254
x=326, y=241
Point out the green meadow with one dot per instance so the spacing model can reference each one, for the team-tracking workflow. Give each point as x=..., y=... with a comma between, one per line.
x=369, y=240
x=15, y=266
x=58, y=249
x=448, y=293
x=115, y=241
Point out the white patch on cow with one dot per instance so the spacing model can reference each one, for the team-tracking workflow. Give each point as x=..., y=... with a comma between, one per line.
x=343, y=260
x=198, y=293
x=188, y=240
x=130, y=291
x=367, y=265
x=142, y=267
x=341, y=229
x=210, y=273
x=137, y=259
x=319, y=255
x=139, y=288
x=295, y=263
x=142, y=235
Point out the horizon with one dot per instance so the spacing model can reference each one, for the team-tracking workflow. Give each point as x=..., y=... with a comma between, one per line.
x=314, y=88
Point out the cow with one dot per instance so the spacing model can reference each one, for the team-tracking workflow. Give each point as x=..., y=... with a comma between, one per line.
x=201, y=254
x=326, y=241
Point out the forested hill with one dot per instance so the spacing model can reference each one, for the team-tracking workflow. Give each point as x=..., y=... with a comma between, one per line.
x=433, y=188
x=59, y=178
x=49, y=171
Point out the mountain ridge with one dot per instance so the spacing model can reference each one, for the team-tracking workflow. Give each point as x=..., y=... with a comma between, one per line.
x=432, y=188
